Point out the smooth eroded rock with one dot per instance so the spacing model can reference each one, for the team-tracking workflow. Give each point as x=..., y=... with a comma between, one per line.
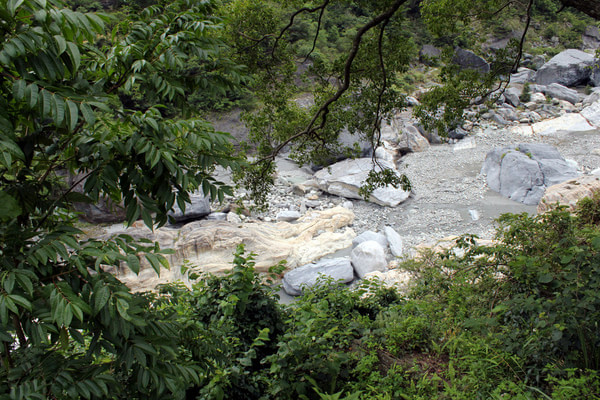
x=368, y=257
x=306, y=276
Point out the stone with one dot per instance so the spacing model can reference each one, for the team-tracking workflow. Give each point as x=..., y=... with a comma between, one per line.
x=306, y=276
x=568, y=123
x=383, y=153
x=208, y=246
x=538, y=97
x=512, y=96
x=429, y=55
x=560, y=92
x=394, y=278
x=457, y=133
x=524, y=75
x=469, y=60
x=568, y=193
x=537, y=62
x=345, y=178
x=569, y=68
x=465, y=144
x=591, y=114
x=370, y=236
x=431, y=136
x=217, y=216
x=591, y=37
x=411, y=140
x=595, y=76
x=234, y=218
x=508, y=113
x=522, y=172
x=368, y=257
x=198, y=207
x=288, y=215
x=395, y=241
x=350, y=141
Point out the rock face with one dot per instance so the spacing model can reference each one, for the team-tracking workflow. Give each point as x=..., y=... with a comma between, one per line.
x=346, y=177
x=568, y=68
x=368, y=257
x=339, y=269
x=469, y=60
x=522, y=172
x=569, y=193
x=524, y=75
x=198, y=207
x=572, y=122
x=591, y=37
x=209, y=245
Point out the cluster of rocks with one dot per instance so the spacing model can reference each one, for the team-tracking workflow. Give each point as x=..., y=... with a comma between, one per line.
x=367, y=259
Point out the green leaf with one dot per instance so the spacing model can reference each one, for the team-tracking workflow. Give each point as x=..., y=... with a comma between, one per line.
x=87, y=113
x=12, y=6
x=9, y=207
x=74, y=54
x=61, y=44
x=73, y=115
x=134, y=263
x=20, y=300
x=546, y=278
x=19, y=89
x=58, y=110
x=101, y=296
x=122, y=307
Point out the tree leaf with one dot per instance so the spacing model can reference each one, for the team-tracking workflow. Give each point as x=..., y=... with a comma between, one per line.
x=9, y=207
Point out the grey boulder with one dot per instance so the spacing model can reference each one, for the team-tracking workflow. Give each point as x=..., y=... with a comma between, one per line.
x=198, y=207
x=568, y=68
x=560, y=92
x=306, y=276
x=368, y=257
x=394, y=240
x=469, y=60
x=522, y=172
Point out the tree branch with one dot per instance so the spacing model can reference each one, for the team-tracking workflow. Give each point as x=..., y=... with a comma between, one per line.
x=323, y=111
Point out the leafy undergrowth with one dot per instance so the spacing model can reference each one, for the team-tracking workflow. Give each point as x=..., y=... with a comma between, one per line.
x=515, y=320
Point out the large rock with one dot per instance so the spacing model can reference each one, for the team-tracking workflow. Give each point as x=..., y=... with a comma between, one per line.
x=569, y=193
x=568, y=68
x=429, y=55
x=524, y=75
x=368, y=257
x=306, y=276
x=591, y=37
x=469, y=60
x=595, y=76
x=198, y=207
x=349, y=143
x=568, y=123
x=411, y=140
x=522, y=172
x=560, y=92
x=395, y=241
x=346, y=177
x=105, y=211
x=512, y=95
x=208, y=245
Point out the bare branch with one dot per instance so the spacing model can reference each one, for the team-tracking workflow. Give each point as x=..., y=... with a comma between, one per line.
x=316, y=34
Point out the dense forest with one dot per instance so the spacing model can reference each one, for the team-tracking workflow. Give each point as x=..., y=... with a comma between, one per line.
x=109, y=100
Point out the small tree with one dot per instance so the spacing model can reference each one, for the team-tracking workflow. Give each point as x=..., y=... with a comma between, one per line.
x=68, y=328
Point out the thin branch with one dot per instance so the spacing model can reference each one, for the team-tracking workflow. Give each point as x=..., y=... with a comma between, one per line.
x=522, y=42
x=377, y=123
x=323, y=111
x=291, y=23
x=314, y=45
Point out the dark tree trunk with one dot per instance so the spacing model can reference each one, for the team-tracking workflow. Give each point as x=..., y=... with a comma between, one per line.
x=589, y=7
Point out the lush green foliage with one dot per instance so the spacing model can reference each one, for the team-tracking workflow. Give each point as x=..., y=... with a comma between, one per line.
x=68, y=328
